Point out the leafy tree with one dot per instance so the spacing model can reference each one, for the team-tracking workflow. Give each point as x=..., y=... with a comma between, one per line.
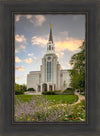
x=17, y=87
x=23, y=87
x=20, y=89
x=78, y=71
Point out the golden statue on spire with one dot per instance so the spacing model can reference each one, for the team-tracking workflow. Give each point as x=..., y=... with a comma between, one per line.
x=50, y=36
x=50, y=26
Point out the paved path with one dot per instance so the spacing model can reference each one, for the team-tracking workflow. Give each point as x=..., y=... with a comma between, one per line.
x=80, y=98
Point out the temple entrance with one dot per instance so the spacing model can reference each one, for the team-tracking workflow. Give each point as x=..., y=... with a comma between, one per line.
x=44, y=86
x=50, y=87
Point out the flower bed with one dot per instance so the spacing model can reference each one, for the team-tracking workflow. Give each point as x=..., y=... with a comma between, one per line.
x=41, y=110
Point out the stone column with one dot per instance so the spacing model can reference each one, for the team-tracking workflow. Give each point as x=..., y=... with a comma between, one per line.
x=47, y=87
x=41, y=88
x=36, y=88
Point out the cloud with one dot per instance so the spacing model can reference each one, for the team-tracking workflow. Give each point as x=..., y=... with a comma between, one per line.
x=64, y=34
x=61, y=44
x=70, y=44
x=42, y=41
x=31, y=54
x=57, y=55
x=29, y=60
x=69, y=64
x=20, y=38
x=28, y=16
x=19, y=47
x=64, y=42
x=25, y=75
x=20, y=68
x=40, y=19
x=17, y=59
x=35, y=58
x=16, y=78
x=22, y=47
x=60, y=54
x=16, y=51
x=17, y=18
x=37, y=20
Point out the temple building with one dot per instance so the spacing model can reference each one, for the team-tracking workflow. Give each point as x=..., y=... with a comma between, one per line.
x=50, y=77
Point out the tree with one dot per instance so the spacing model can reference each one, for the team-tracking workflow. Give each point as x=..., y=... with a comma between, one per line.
x=23, y=87
x=17, y=87
x=20, y=89
x=78, y=71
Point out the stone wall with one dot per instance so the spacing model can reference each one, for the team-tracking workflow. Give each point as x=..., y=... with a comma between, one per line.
x=33, y=79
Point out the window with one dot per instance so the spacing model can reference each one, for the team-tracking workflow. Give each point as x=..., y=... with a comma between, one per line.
x=49, y=47
x=48, y=71
x=49, y=58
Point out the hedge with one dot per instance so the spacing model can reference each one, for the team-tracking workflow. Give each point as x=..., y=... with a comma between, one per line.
x=19, y=92
x=68, y=92
x=49, y=93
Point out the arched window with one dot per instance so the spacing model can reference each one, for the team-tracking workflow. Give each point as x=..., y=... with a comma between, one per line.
x=49, y=47
x=48, y=71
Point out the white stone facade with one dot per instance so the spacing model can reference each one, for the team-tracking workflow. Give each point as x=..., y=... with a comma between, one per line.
x=50, y=77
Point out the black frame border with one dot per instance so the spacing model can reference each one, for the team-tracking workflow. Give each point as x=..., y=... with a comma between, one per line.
x=93, y=126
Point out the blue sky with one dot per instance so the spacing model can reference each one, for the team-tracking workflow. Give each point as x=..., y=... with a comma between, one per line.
x=31, y=37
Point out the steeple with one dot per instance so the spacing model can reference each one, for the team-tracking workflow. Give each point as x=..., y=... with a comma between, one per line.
x=50, y=36
x=50, y=44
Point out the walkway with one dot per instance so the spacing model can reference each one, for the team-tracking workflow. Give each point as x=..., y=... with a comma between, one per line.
x=80, y=98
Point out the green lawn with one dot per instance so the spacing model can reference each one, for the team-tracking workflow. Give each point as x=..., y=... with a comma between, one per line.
x=53, y=99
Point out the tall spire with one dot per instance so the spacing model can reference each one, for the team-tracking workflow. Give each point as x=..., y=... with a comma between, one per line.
x=50, y=36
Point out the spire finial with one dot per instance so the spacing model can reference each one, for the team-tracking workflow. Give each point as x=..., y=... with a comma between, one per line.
x=50, y=26
x=50, y=36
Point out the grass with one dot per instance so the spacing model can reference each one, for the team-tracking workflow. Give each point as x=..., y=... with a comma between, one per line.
x=41, y=110
x=53, y=99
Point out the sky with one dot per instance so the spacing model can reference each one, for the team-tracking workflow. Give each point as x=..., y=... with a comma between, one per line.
x=31, y=38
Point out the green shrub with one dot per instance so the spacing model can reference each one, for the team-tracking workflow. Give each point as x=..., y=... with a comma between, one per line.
x=58, y=91
x=30, y=89
x=68, y=92
x=18, y=92
x=49, y=93
x=69, y=89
